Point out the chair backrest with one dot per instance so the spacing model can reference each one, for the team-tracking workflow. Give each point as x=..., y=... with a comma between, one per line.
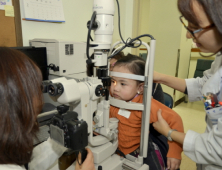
x=168, y=100
x=202, y=65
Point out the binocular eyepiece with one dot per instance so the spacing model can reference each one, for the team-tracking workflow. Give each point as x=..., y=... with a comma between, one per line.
x=53, y=89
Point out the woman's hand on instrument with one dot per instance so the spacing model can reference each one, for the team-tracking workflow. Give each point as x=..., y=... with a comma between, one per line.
x=88, y=164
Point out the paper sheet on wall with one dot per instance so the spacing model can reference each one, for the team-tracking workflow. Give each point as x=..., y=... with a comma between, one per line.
x=5, y=2
x=9, y=11
x=43, y=10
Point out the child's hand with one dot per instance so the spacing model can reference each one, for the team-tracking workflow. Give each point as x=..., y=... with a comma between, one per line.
x=173, y=163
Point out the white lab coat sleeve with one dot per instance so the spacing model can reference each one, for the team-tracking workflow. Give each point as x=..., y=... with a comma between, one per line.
x=195, y=85
x=45, y=154
x=205, y=148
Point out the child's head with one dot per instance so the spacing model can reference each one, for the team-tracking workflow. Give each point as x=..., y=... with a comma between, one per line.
x=123, y=88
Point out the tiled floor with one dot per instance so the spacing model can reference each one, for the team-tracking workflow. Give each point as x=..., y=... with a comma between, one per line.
x=193, y=117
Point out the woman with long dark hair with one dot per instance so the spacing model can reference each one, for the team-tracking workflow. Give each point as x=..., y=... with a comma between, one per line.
x=20, y=102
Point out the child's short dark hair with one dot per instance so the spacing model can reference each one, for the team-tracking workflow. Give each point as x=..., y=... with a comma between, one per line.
x=134, y=63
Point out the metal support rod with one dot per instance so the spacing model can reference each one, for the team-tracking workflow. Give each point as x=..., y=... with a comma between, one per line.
x=144, y=137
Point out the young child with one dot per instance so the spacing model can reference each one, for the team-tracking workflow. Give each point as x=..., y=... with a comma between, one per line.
x=130, y=125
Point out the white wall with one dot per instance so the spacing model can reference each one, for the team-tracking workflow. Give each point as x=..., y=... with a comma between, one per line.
x=126, y=25
x=144, y=18
x=77, y=13
x=164, y=25
x=73, y=29
x=185, y=46
x=161, y=20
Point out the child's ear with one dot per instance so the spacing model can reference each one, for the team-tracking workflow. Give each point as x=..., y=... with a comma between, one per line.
x=141, y=87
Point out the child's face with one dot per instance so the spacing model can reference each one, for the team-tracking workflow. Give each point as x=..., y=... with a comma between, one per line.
x=122, y=88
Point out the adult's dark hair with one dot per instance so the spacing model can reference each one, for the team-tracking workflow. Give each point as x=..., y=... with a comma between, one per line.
x=89, y=67
x=213, y=9
x=119, y=55
x=21, y=102
x=134, y=63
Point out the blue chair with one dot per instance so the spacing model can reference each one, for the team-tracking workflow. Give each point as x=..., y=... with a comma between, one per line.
x=168, y=100
x=202, y=65
x=143, y=55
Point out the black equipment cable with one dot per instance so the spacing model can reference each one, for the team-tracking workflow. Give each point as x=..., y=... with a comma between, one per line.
x=132, y=41
x=89, y=33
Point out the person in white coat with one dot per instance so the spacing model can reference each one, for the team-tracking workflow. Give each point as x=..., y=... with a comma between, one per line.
x=204, y=18
x=20, y=102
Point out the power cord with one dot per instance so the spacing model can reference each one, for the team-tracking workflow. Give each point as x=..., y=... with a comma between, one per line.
x=90, y=25
x=129, y=42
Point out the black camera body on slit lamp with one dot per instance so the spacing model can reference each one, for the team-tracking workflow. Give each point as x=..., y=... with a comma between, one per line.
x=66, y=129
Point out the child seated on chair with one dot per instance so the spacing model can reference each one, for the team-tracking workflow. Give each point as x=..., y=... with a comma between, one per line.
x=130, y=120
